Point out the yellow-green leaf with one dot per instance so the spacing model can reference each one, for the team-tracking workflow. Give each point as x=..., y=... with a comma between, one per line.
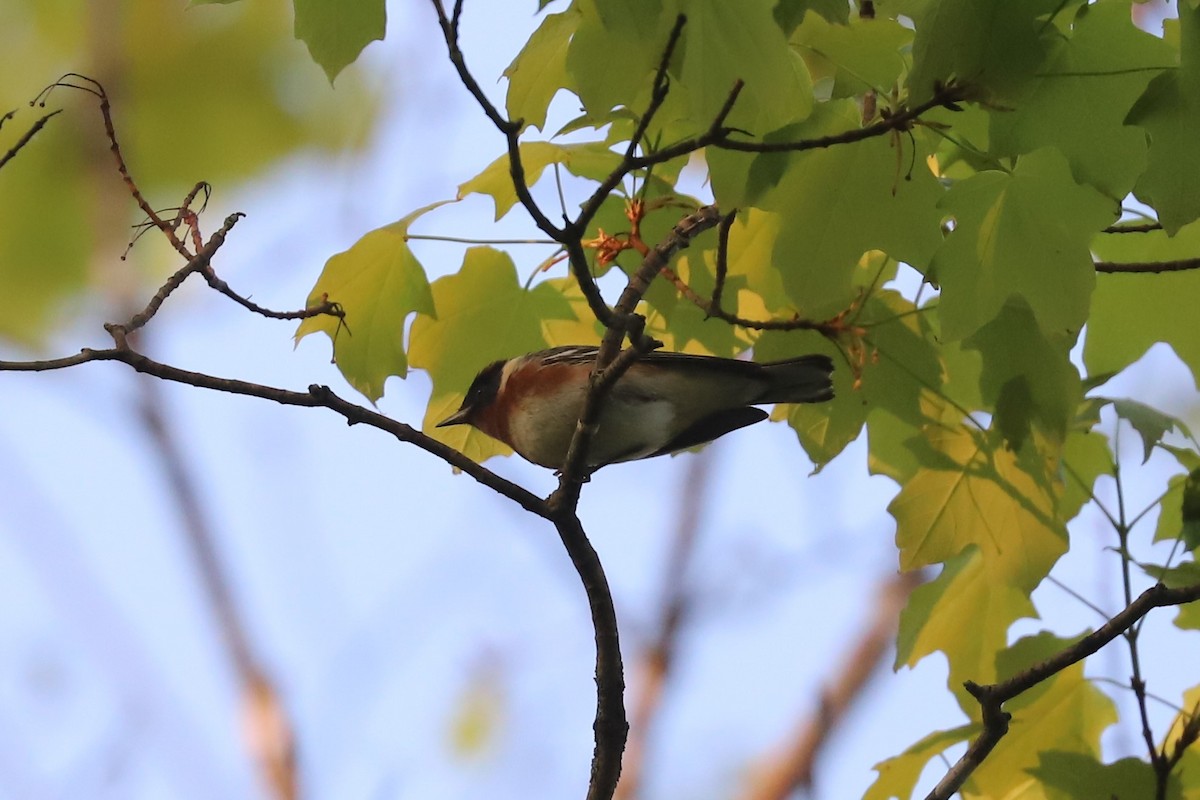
x=1024, y=232
x=378, y=282
x=588, y=160
x=540, y=69
x=898, y=775
x=965, y=613
x=483, y=315
x=981, y=494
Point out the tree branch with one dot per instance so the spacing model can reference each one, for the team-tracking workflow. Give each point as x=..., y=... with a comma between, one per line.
x=27, y=136
x=610, y=727
x=1149, y=267
x=792, y=769
x=992, y=697
x=316, y=397
x=611, y=361
x=510, y=128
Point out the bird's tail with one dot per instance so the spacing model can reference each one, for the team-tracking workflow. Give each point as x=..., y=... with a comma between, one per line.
x=799, y=380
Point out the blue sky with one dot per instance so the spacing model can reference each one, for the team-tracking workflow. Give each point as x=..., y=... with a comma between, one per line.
x=386, y=596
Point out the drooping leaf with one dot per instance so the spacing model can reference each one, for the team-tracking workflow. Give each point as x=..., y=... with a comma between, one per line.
x=1170, y=112
x=1078, y=100
x=336, y=31
x=892, y=379
x=540, y=69
x=1027, y=375
x=1150, y=423
x=378, y=283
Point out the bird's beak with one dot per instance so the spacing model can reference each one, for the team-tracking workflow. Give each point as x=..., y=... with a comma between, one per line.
x=460, y=417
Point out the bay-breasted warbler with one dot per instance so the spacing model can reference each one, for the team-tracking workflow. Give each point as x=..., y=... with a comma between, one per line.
x=666, y=402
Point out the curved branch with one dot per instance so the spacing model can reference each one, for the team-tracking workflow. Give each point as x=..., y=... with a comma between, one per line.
x=992, y=697
x=611, y=727
x=510, y=128
x=316, y=397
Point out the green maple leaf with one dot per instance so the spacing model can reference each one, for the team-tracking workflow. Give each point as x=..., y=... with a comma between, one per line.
x=822, y=210
x=1170, y=113
x=540, y=69
x=1026, y=375
x=1132, y=312
x=859, y=56
x=995, y=44
x=1080, y=97
x=483, y=315
x=725, y=42
x=1024, y=233
x=378, y=283
x=1068, y=776
x=966, y=596
x=336, y=31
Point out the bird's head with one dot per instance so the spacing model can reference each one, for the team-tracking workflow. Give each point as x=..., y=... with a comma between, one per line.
x=480, y=396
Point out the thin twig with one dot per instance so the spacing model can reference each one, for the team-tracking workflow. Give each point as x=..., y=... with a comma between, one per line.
x=1149, y=267
x=510, y=128
x=73, y=80
x=28, y=135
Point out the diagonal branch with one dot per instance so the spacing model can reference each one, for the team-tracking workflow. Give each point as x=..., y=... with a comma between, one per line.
x=992, y=697
x=27, y=136
x=316, y=397
x=510, y=128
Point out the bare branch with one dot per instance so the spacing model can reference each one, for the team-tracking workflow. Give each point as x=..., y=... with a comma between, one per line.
x=316, y=397
x=610, y=727
x=1149, y=267
x=27, y=136
x=510, y=128
x=73, y=80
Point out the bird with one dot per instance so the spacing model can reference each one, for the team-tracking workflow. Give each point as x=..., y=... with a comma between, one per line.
x=666, y=402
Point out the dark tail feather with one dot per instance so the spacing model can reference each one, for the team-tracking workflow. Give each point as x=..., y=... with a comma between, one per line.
x=799, y=380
